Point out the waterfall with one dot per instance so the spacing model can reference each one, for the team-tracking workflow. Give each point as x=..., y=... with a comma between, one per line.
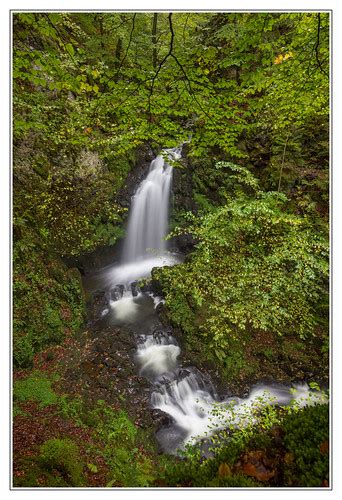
x=145, y=247
x=184, y=393
x=148, y=220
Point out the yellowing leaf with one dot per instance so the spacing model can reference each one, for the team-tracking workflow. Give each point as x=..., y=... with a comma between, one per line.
x=224, y=470
x=281, y=58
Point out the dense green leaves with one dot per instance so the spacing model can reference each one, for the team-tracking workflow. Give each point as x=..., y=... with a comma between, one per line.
x=215, y=76
x=256, y=267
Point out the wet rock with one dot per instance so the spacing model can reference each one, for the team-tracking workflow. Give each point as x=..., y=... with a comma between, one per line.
x=162, y=314
x=134, y=288
x=184, y=243
x=116, y=293
x=160, y=418
x=170, y=438
x=99, y=304
x=159, y=336
x=159, y=308
x=155, y=285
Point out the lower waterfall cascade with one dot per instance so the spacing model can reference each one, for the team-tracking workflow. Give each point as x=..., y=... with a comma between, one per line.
x=185, y=394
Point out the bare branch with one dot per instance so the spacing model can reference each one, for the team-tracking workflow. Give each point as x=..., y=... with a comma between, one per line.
x=317, y=45
x=154, y=40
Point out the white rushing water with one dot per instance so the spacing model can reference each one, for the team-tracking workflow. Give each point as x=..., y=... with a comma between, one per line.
x=148, y=220
x=197, y=413
x=128, y=273
x=145, y=246
x=157, y=354
x=126, y=308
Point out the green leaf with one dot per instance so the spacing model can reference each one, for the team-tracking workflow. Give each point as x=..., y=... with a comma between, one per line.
x=70, y=49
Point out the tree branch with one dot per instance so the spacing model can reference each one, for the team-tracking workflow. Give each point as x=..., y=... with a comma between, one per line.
x=128, y=47
x=317, y=45
x=171, y=54
x=154, y=40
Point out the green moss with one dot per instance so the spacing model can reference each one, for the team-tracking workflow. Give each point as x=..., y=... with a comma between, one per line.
x=48, y=304
x=23, y=350
x=36, y=387
x=127, y=466
x=63, y=457
x=234, y=481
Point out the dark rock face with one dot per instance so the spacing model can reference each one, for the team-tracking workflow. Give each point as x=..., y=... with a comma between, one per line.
x=99, y=302
x=183, y=201
x=134, y=288
x=102, y=256
x=144, y=156
x=183, y=243
x=105, y=255
x=182, y=186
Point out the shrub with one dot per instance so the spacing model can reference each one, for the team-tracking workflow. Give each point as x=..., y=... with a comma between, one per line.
x=48, y=301
x=256, y=267
x=23, y=351
x=306, y=440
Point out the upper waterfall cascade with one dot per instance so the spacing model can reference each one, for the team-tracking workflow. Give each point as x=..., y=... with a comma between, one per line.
x=148, y=221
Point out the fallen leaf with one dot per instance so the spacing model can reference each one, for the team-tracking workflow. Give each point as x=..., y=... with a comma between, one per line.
x=249, y=470
x=224, y=470
x=324, y=447
x=260, y=473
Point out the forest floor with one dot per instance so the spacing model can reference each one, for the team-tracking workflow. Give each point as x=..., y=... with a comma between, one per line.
x=98, y=365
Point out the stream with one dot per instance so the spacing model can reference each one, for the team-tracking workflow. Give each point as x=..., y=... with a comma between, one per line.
x=185, y=394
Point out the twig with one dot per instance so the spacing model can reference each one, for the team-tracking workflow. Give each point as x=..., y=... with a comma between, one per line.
x=128, y=47
x=283, y=161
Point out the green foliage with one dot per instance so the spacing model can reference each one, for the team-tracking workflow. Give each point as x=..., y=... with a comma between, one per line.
x=221, y=75
x=256, y=267
x=88, y=89
x=61, y=458
x=23, y=350
x=74, y=221
x=306, y=439
x=128, y=465
x=36, y=387
x=234, y=361
x=234, y=77
x=48, y=304
x=303, y=450
x=203, y=474
x=74, y=409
